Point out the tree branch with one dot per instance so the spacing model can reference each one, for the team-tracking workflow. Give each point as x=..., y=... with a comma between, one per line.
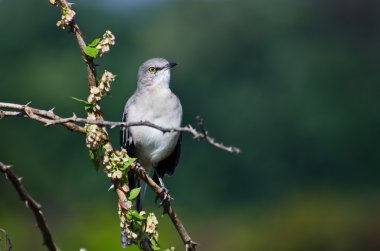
x=168, y=209
x=49, y=118
x=32, y=204
x=91, y=67
x=25, y=111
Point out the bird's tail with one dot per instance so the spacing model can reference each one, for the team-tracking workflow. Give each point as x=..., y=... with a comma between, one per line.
x=125, y=241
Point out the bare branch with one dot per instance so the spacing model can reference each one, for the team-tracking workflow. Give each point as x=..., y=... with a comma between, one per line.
x=43, y=116
x=168, y=209
x=32, y=204
x=49, y=118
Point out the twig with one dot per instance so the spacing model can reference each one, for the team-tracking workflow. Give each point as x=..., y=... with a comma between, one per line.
x=32, y=204
x=53, y=119
x=43, y=116
x=91, y=67
x=168, y=209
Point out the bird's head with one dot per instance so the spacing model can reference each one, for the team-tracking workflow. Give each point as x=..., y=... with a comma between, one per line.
x=155, y=71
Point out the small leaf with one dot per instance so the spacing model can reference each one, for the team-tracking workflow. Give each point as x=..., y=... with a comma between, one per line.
x=127, y=164
x=90, y=51
x=80, y=100
x=154, y=244
x=129, y=216
x=94, y=156
x=94, y=43
x=134, y=193
x=88, y=107
x=136, y=215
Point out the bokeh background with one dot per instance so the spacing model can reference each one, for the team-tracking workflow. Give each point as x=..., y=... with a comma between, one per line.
x=294, y=83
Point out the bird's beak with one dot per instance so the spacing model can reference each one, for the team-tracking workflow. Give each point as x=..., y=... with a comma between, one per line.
x=172, y=64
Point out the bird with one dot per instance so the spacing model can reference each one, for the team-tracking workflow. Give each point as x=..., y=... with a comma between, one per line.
x=152, y=101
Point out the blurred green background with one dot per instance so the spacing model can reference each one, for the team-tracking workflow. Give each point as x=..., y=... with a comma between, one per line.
x=294, y=83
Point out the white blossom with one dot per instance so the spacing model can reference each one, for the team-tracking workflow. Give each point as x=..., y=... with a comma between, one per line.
x=106, y=42
x=151, y=223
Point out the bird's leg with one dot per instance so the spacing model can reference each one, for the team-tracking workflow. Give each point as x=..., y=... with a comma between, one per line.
x=164, y=191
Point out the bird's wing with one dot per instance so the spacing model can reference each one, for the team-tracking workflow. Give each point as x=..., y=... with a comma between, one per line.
x=168, y=165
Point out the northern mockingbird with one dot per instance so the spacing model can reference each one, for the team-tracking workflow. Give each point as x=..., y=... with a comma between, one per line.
x=153, y=101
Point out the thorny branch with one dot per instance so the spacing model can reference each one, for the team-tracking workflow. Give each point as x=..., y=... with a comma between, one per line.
x=49, y=118
x=32, y=204
x=168, y=209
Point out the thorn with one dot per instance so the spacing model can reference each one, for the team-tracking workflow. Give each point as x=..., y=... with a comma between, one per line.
x=27, y=104
x=27, y=204
x=190, y=245
x=111, y=188
x=74, y=116
x=51, y=110
x=113, y=126
x=20, y=178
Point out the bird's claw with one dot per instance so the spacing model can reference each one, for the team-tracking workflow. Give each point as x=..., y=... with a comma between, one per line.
x=164, y=196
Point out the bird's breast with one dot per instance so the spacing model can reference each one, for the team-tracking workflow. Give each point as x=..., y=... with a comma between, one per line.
x=162, y=109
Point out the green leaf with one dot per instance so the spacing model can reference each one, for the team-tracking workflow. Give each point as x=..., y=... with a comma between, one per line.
x=154, y=244
x=127, y=164
x=88, y=107
x=129, y=216
x=80, y=100
x=134, y=193
x=136, y=215
x=94, y=43
x=90, y=51
x=94, y=156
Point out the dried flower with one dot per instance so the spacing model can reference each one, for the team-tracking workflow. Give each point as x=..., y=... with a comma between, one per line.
x=151, y=223
x=129, y=204
x=106, y=42
x=117, y=174
x=105, y=82
x=94, y=136
x=67, y=16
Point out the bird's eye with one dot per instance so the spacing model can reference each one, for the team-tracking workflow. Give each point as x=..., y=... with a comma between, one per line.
x=152, y=69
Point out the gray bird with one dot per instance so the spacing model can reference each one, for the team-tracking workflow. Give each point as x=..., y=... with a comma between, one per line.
x=153, y=101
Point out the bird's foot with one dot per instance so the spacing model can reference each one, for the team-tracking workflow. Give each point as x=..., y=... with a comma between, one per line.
x=164, y=196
